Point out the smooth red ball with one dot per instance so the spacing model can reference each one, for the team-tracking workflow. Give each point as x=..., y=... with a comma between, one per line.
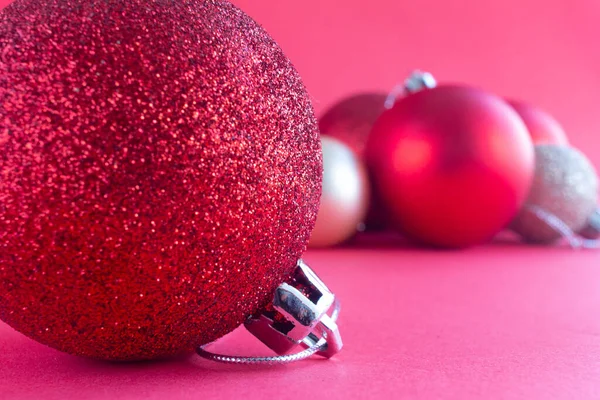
x=160, y=173
x=453, y=165
x=543, y=127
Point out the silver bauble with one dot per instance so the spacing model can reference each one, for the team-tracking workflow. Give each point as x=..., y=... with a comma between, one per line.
x=566, y=186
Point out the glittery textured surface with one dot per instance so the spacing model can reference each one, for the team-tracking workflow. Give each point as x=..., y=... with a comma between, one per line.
x=565, y=185
x=159, y=173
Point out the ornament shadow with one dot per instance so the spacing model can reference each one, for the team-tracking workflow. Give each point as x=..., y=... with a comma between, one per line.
x=395, y=241
x=374, y=241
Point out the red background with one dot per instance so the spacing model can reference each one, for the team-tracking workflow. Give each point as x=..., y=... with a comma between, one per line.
x=497, y=322
x=544, y=52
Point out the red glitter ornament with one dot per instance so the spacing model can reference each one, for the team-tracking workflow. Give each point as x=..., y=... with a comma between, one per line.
x=160, y=173
x=453, y=164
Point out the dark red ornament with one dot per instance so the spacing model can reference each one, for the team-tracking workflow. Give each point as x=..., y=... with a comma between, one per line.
x=542, y=127
x=160, y=173
x=453, y=164
x=351, y=121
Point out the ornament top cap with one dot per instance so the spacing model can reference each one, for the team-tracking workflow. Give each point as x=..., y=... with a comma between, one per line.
x=299, y=316
x=417, y=81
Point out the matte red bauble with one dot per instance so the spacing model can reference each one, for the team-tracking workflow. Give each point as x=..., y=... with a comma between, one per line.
x=160, y=173
x=542, y=127
x=453, y=164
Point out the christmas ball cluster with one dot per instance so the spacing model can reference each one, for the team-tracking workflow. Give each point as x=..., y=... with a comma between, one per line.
x=453, y=165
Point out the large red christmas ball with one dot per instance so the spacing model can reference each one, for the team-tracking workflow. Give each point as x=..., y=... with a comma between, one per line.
x=453, y=164
x=160, y=173
x=542, y=127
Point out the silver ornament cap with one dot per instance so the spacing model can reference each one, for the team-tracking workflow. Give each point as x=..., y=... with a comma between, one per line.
x=417, y=81
x=299, y=316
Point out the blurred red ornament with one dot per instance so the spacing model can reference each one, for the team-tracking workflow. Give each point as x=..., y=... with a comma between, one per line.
x=542, y=127
x=453, y=164
x=351, y=121
x=161, y=173
x=345, y=196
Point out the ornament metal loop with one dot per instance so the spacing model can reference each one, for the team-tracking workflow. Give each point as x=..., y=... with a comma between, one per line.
x=298, y=316
x=418, y=80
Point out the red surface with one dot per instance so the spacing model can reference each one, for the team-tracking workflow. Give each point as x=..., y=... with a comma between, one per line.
x=497, y=322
